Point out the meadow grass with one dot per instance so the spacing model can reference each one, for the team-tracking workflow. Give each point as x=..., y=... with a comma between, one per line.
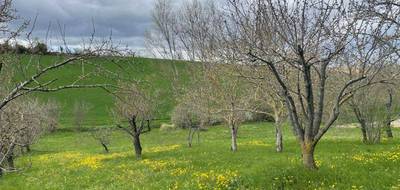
x=157, y=74
x=72, y=160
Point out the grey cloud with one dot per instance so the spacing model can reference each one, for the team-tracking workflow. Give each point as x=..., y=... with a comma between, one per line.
x=128, y=19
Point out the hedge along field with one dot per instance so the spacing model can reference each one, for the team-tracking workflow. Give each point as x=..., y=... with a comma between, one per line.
x=68, y=160
x=155, y=72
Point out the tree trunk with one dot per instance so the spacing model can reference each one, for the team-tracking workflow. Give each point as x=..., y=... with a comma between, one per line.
x=105, y=147
x=389, y=131
x=28, y=148
x=362, y=122
x=307, y=150
x=10, y=157
x=138, y=146
x=234, y=139
x=190, y=137
x=389, y=106
x=363, y=126
x=278, y=136
x=148, y=125
x=10, y=161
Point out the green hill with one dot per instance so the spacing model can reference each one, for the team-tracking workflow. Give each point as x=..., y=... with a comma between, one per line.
x=157, y=73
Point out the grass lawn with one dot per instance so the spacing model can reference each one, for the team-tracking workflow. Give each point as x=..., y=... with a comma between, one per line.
x=71, y=160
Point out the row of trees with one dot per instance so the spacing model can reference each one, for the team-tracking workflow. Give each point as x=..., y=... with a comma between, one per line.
x=305, y=59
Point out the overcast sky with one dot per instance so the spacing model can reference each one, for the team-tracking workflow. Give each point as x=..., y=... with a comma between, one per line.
x=128, y=19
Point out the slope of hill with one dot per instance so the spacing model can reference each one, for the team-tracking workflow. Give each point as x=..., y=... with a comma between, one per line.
x=157, y=73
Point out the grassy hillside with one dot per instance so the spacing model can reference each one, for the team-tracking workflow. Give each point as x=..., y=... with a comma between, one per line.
x=68, y=160
x=156, y=73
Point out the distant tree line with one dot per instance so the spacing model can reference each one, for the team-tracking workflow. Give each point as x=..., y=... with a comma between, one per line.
x=37, y=48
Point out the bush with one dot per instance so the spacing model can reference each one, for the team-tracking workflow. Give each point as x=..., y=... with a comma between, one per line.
x=20, y=49
x=40, y=48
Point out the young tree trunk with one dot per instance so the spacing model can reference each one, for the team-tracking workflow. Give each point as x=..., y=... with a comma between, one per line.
x=234, y=139
x=137, y=146
x=307, y=150
x=190, y=137
x=105, y=147
x=148, y=125
x=198, y=135
x=389, y=106
x=278, y=136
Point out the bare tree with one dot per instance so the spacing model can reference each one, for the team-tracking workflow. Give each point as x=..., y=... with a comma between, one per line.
x=186, y=115
x=267, y=95
x=375, y=110
x=372, y=111
x=21, y=125
x=135, y=106
x=52, y=112
x=229, y=98
x=80, y=112
x=308, y=37
x=103, y=136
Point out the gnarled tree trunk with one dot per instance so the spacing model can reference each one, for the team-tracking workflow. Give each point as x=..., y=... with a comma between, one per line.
x=307, y=150
x=137, y=146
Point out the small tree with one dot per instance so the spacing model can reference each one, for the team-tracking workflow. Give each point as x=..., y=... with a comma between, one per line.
x=52, y=115
x=103, y=136
x=374, y=109
x=135, y=106
x=80, y=112
x=268, y=96
x=193, y=113
x=20, y=126
x=229, y=98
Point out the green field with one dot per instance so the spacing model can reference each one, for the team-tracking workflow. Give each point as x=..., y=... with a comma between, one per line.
x=155, y=73
x=68, y=160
